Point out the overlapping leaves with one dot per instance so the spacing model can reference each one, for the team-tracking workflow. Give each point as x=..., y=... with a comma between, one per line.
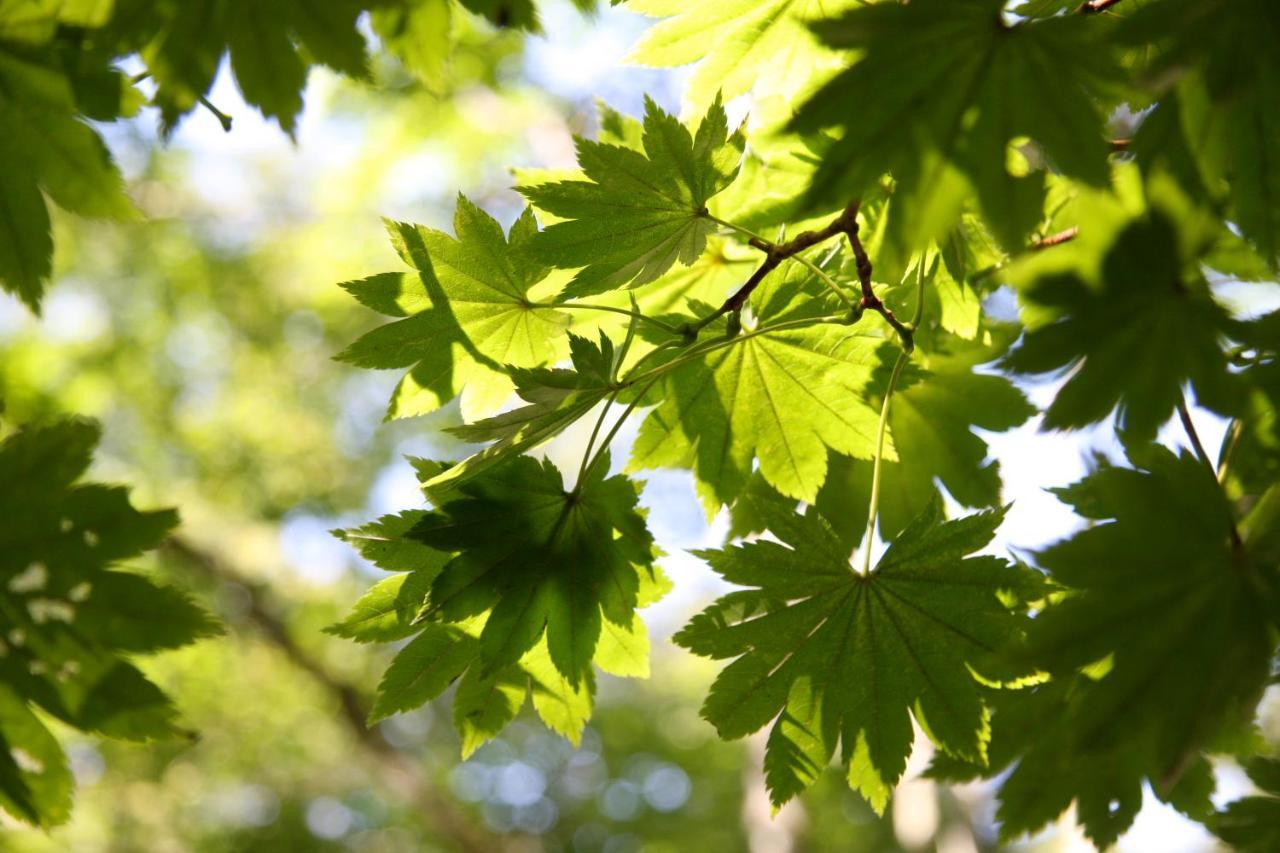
x=638, y=212
x=991, y=131
x=46, y=148
x=1160, y=649
x=69, y=621
x=738, y=404
x=934, y=413
x=743, y=45
x=512, y=584
x=556, y=398
x=1223, y=110
x=1146, y=326
x=58, y=68
x=1252, y=824
x=467, y=314
x=940, y=83
x=832, y=656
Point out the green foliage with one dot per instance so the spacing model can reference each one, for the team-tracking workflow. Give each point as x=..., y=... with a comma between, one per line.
x=1234, y=137
x=467, y=314
x=513, y=586
x=640, y=212
x=69, y=621
x=832, y=655
x=1182, y=613
x=974, y=148
x=60, y=65
x=737, y=405
x=814, y=308
x=536, y=557
x=1252, y=824
x=949, y=84
x=742, y=45
x=556, y=399
x=1133, y=340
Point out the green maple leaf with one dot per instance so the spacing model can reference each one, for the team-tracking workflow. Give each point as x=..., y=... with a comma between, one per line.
x=441, y=655
x=271, y=46
x=639, y=212
x=831, y=655
x=1252, y=824
x=467, y=311
x=739, y=403
x=513, y=527
x=418, y=34
x=383, y=542
x=1050, y=770
x=1234, y=134
x=939, y=401
x=46, y=147
x=388, y=610
x=538, y=559
x=67, y=620
x=1148, y=326
x=765, y=48
x=1180, y=617
x=35, y=778
x=952, y=83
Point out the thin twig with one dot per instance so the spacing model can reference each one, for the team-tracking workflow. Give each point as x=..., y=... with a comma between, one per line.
x=775, y=253
x=863, y=262
x=1064, y=236
x=873, y=507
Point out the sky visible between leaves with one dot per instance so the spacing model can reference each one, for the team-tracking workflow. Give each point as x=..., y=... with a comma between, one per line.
x=578, y=60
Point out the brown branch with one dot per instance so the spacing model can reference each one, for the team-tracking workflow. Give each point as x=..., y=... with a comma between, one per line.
x=775, y=253
x=1065, y=236
x=399, y=771
x=869, y=299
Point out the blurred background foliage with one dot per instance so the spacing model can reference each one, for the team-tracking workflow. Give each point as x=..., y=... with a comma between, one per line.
x=202, y=339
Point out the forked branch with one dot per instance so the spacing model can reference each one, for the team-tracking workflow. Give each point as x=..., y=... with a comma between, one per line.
x=845, y=223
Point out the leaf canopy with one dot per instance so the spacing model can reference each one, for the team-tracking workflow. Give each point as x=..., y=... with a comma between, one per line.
x=954, y=79
x=69, y=621
x=1161, y=643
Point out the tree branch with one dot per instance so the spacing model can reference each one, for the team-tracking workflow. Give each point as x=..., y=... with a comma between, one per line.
x=869, y=299
x=775, y=253
x=1064, y=236
x=399, y=771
